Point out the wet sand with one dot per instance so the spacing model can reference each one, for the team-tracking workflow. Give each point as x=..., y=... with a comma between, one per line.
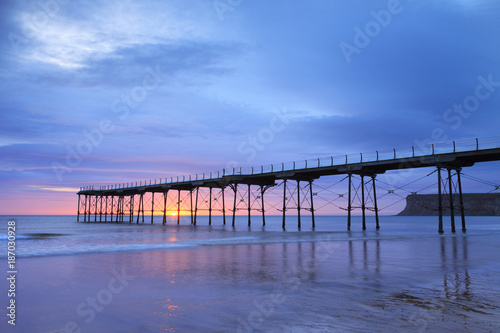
x=372, y=284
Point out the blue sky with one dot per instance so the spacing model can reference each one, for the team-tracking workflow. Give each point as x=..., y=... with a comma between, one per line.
x=101, y=92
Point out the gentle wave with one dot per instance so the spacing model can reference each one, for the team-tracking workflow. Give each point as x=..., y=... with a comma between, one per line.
x=38, y=235
x=108, y=248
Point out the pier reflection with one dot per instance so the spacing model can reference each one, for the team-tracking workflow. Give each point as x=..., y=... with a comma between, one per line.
x=426, y=280
x=365, y=252
x=454, y=263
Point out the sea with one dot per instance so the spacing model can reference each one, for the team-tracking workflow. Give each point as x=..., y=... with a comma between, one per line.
x=74, y=276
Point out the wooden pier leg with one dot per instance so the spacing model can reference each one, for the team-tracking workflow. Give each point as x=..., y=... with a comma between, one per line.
x=142, y=210
x=139, y=209
x=122, y=217
x=78, y=210
x=165, y=196
x=117, y=208
x=112, y=204
x=118, y=205
x=298, y=205
x=191, y=204
x=440, y=203
x=262, y=204
x=196, y=205
x=152, y=206
x=235, y=189
x=85, y=209
x=249, y=206
x=223, y=206
x=210, y=207
x=374, y=187
x=95, y=209
x=284, y=204
x=89, y=212
x=349, y=204
x=100, y=209
x=178, y=206
x=90, y=207
x=131, y=208
x=460, y=197
x=122, y=209
x=363, y=204
x=312, y=203
x=452, y=208
x=106, y=210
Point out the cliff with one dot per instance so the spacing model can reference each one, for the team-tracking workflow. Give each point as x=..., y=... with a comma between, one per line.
x=475, y=204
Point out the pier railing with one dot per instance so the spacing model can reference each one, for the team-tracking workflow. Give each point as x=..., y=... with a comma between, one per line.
x=427, y=149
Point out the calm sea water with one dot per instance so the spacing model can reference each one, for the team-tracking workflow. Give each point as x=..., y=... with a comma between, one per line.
x=108, y=277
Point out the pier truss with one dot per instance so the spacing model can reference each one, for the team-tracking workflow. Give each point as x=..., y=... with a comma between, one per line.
x=294, y=188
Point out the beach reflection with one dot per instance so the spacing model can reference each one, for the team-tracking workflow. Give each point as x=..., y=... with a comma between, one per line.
x=454, y=262
x=427, y=281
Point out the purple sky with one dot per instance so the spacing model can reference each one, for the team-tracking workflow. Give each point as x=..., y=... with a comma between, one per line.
x=102, y=92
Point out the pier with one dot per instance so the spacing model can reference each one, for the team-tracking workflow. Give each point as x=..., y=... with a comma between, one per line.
x=248, y=186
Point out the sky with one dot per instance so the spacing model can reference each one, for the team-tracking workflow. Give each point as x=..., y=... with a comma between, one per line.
x=105, y=92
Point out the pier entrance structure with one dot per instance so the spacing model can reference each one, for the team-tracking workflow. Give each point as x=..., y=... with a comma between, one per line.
x=206, y=192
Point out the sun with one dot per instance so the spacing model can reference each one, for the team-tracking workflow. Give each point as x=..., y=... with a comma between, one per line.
x=173, y=213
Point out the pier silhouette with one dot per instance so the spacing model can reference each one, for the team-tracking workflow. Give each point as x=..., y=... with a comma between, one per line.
x=250, y=184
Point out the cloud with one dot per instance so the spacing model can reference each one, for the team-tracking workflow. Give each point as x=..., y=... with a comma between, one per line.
x=69, y=35
x=222, y=81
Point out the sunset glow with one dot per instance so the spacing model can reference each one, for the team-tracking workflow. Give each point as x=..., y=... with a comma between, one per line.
x=177, y=89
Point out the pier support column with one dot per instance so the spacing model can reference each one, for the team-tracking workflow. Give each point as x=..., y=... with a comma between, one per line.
x=210, y=207
x=95, y=209
x=196, y=205
x=112, y=204
x=191, y=204
x=262, y=205
x=78, y=210
x=223, y=206
x=121, y=211
x=349, y=203
x=122, y=217
x=460, y=197
x=118, y=208
x=100, y=209
x=178, y=206
x=165, y=195
x=235, y=189
x=298, y=205
x=152, y=206
x=284, y=204
x=452, y=208
x=131, y=208
x=106, y=210
x=140, y=207
x=85, y=209
x=363, y=204
x=440, y=203
x=249, y=205
x=312, y=204
x=90, y=206
x=374, y=187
